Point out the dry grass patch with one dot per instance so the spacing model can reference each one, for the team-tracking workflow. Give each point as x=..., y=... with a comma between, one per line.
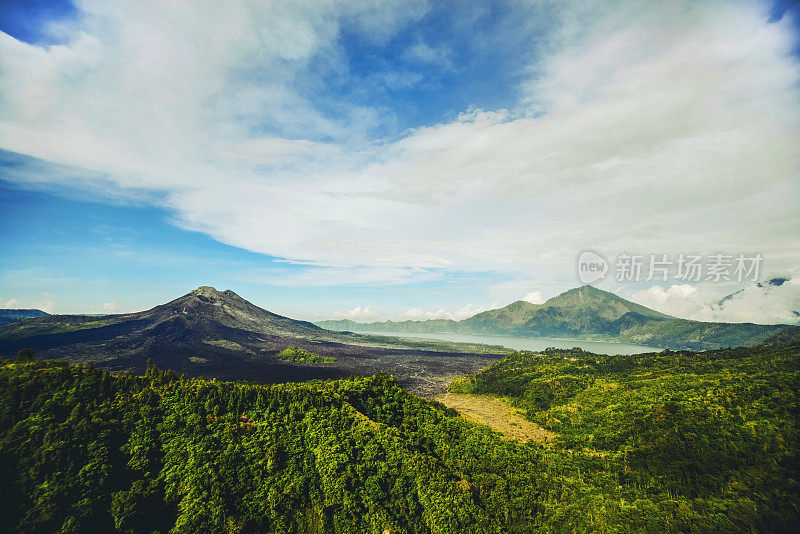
x=496, y=413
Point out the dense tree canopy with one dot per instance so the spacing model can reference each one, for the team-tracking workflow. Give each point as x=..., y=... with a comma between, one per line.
x=706, y=440
x=702, y=442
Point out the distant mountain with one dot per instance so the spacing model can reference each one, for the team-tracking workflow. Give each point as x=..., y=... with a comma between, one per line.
x=584, y=313
x=8, y=316
x=203, y=311
x=430, y=326
x=218, y=333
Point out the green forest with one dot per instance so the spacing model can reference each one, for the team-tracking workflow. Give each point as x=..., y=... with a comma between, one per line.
x=300, y=355
x=705, y=441
x=664, y=442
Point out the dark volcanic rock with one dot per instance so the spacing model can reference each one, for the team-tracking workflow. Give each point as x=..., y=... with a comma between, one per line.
x=219, y=334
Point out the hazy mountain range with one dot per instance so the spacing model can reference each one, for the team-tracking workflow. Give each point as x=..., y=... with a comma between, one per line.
x=8, y=316
x=583, y=313
x=219, y=334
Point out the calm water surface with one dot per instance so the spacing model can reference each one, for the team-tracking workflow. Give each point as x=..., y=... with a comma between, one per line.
x=532, y=343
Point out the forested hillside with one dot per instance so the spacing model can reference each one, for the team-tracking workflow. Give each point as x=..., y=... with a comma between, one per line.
x=670, y=442
x=713, y=434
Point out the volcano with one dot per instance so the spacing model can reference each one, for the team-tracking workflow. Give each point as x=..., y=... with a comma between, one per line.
x=220, y=334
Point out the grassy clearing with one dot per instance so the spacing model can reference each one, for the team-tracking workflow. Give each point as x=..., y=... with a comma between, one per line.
x=497, y=414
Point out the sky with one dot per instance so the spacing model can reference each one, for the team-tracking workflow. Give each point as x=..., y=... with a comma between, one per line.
x=404, y=160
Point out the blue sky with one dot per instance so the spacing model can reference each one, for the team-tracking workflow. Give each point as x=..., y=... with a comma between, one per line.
x=102, y=258
x=391, y=159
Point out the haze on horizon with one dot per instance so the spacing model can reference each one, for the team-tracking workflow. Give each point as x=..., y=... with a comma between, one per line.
x=374, y=160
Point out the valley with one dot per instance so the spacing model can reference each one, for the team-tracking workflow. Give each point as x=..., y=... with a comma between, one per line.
x=218, y=334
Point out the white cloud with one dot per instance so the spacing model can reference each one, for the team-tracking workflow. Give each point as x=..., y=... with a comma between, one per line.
x=336, y=276
x=653, y=129
x=764, y=303
x=110, y=307
x=418, y=314
x=468, y=310
x=359, y=313
x=274, y=150
x=534, y=297
x=680, y=300
x=45, y=303
x=424, y=53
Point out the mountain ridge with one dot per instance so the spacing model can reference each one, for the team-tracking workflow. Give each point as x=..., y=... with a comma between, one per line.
x=586, y=313
x=214, y=333
x=13, y=315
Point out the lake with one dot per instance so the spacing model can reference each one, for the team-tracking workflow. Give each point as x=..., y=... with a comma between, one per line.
x=531, y=343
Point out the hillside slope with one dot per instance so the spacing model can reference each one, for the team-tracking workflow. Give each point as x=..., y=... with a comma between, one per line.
x=786, y=337
x=715, y=427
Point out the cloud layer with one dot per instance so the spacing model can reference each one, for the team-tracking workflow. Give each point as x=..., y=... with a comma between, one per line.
x=468, y=310
x=640, y=128
x=766, y=302
x=359, y=313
